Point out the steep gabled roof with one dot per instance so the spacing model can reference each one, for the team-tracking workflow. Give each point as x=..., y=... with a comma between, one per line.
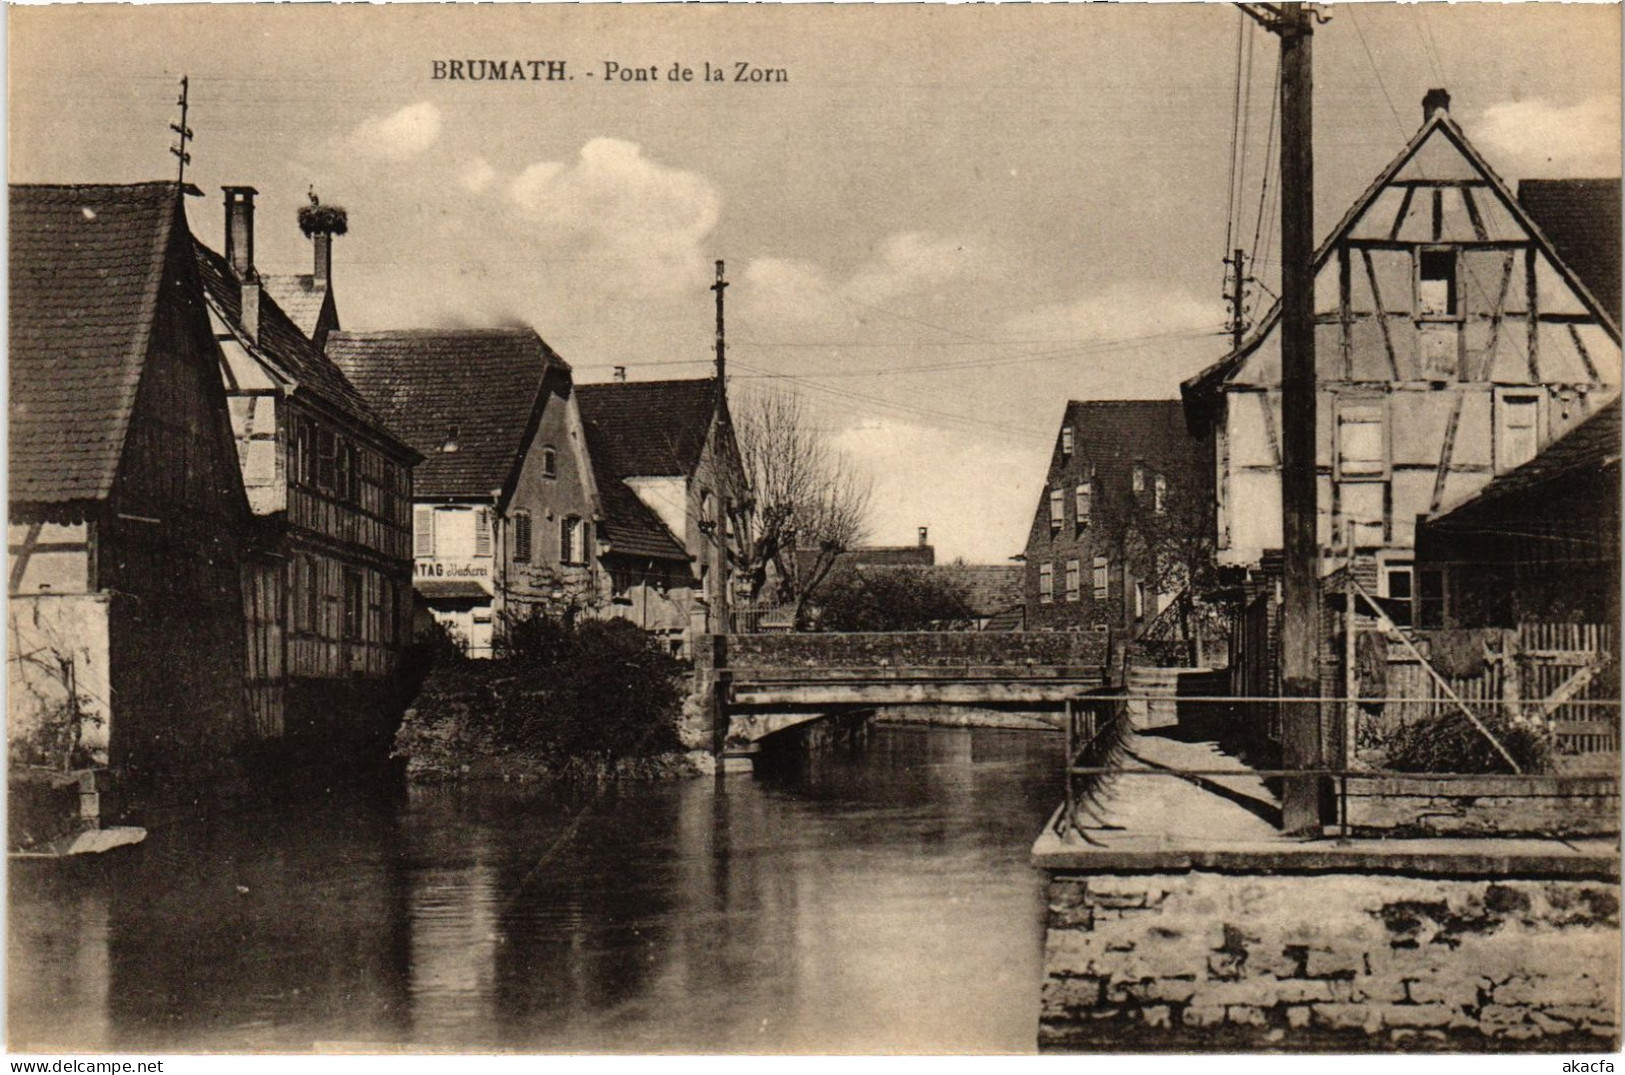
x=299, y=298
x=630, y=526
x=282, y=343
x=1114, y=434
x=1198, y=391
x=479, y=388
x=1588, y=448
x=1582, y=219
x=989, y=589
x=87, y=268
x=651, y=428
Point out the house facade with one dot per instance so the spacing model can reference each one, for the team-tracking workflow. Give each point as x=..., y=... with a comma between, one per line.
x=1126, y=505
x=505, y=512
x=126, y=515
x=1452, y=344
x=671, y=445
x=328, y=586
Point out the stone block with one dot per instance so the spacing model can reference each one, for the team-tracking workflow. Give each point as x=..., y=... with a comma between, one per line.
x=1346, y=1017
x=1297, y=1016
x=1455, y=986
x=1548, y=1024
x=1502, y=1014
x=1157, y=1015
x=1066, y=892
x=1064, y=995
x=1584, y=1015
x=1078, y=917
x=1327, y=963
x=1245, y=1015
x=1258, y=992
x=1203, y=1016
x=1174, y=990
x=1545, y=991
x=1418, y=1015
x=1310, y=991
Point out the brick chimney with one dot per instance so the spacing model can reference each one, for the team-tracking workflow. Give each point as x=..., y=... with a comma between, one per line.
x=322, y=274
x=1436, y=100
x=240, y=254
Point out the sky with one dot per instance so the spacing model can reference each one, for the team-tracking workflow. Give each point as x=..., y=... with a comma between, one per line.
x=939, y=226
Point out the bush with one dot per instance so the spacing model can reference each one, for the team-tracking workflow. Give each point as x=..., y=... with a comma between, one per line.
x=894, y=599
x=603, y=687
x=1447, y=742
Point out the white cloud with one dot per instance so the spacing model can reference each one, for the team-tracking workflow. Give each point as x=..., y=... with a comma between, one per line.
x=477, y=175
x=1123, y=312
x=975, y=495
x=904, y=265
x=1538, y=138
x=642, y=222
x=401, y=134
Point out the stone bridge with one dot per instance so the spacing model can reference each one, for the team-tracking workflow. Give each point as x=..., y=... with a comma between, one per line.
x=748, y=687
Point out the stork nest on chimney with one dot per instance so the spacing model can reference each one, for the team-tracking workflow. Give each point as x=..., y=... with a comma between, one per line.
x=317, y=219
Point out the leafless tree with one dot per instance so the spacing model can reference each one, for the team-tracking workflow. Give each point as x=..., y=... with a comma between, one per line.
x=809, y=502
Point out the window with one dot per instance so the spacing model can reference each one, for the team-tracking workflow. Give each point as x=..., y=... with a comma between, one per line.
x=1396, y=583
x=327, y=459
x=1436, y=284
x=313, y=596
x=454, y=534
x=354, y=605
x=1066, y=441
x=346, y=480
x=1098, y=577
x=1430, y=597
x=521, y=537
x=550, y=461
x=1084, y=495
x=1159, y=495
x=1139, y=477
x=423, y=531
x=1139, y=600
x=1046, y=584
x=1073, y=580
x=482, y=532
x=1361, y=452
x=572, y=540
x=1057, y=509
x=1517, y=429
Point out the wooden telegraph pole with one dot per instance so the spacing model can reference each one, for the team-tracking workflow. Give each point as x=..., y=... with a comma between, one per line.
x=721, y=574
x=1301, y=625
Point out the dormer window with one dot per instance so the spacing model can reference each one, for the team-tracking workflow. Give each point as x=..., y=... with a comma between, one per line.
x=450, y=443
x=1139, y=478
x=1066, y=442
x=1437, y=295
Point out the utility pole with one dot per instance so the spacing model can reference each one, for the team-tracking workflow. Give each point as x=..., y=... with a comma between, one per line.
x=722, y=345
x=1237, y=263
x=721, y=572
x=185, y=133
x=1301, y=624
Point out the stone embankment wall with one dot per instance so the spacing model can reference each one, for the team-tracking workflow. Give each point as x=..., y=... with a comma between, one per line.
x=1485, y=806
x=919, y=649
x=1336, y=962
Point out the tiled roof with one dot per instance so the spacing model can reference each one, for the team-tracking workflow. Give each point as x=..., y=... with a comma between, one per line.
x=630, y=526
x=282, y=341
x=1586, y=449
x=989, y=589
x=479, y=387
x=299, y=298
x=1115, y=434
x=87, y=266
x=651, y=428
x=1582, y=219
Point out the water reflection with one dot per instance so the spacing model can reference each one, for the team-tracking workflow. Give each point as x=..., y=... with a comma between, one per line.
x=877, y=901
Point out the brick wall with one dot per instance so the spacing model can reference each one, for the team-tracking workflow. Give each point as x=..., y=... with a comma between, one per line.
x=1345, y=962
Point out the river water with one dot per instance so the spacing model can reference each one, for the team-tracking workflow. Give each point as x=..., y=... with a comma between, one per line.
x=872, y=901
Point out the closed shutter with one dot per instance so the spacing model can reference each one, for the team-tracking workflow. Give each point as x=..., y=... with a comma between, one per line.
x=482, y=532
x=521, y=536
x=423, y=531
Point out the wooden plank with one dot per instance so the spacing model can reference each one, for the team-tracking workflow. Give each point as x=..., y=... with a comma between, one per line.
x=1444, y=456
x=1473, y=214
x=1382, y=314
x=1585, y=355
x=1487, y=368
x=1269, y=429
x=1399, y=218
x=1534, y=313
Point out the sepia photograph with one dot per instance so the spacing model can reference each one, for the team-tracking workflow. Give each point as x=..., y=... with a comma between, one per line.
x=801, y=529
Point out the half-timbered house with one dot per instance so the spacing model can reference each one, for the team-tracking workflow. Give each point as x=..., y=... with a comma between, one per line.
x=671, y=444
x=504, y=509
x=1452, y=343
x=328, y=588
x=127, y=514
